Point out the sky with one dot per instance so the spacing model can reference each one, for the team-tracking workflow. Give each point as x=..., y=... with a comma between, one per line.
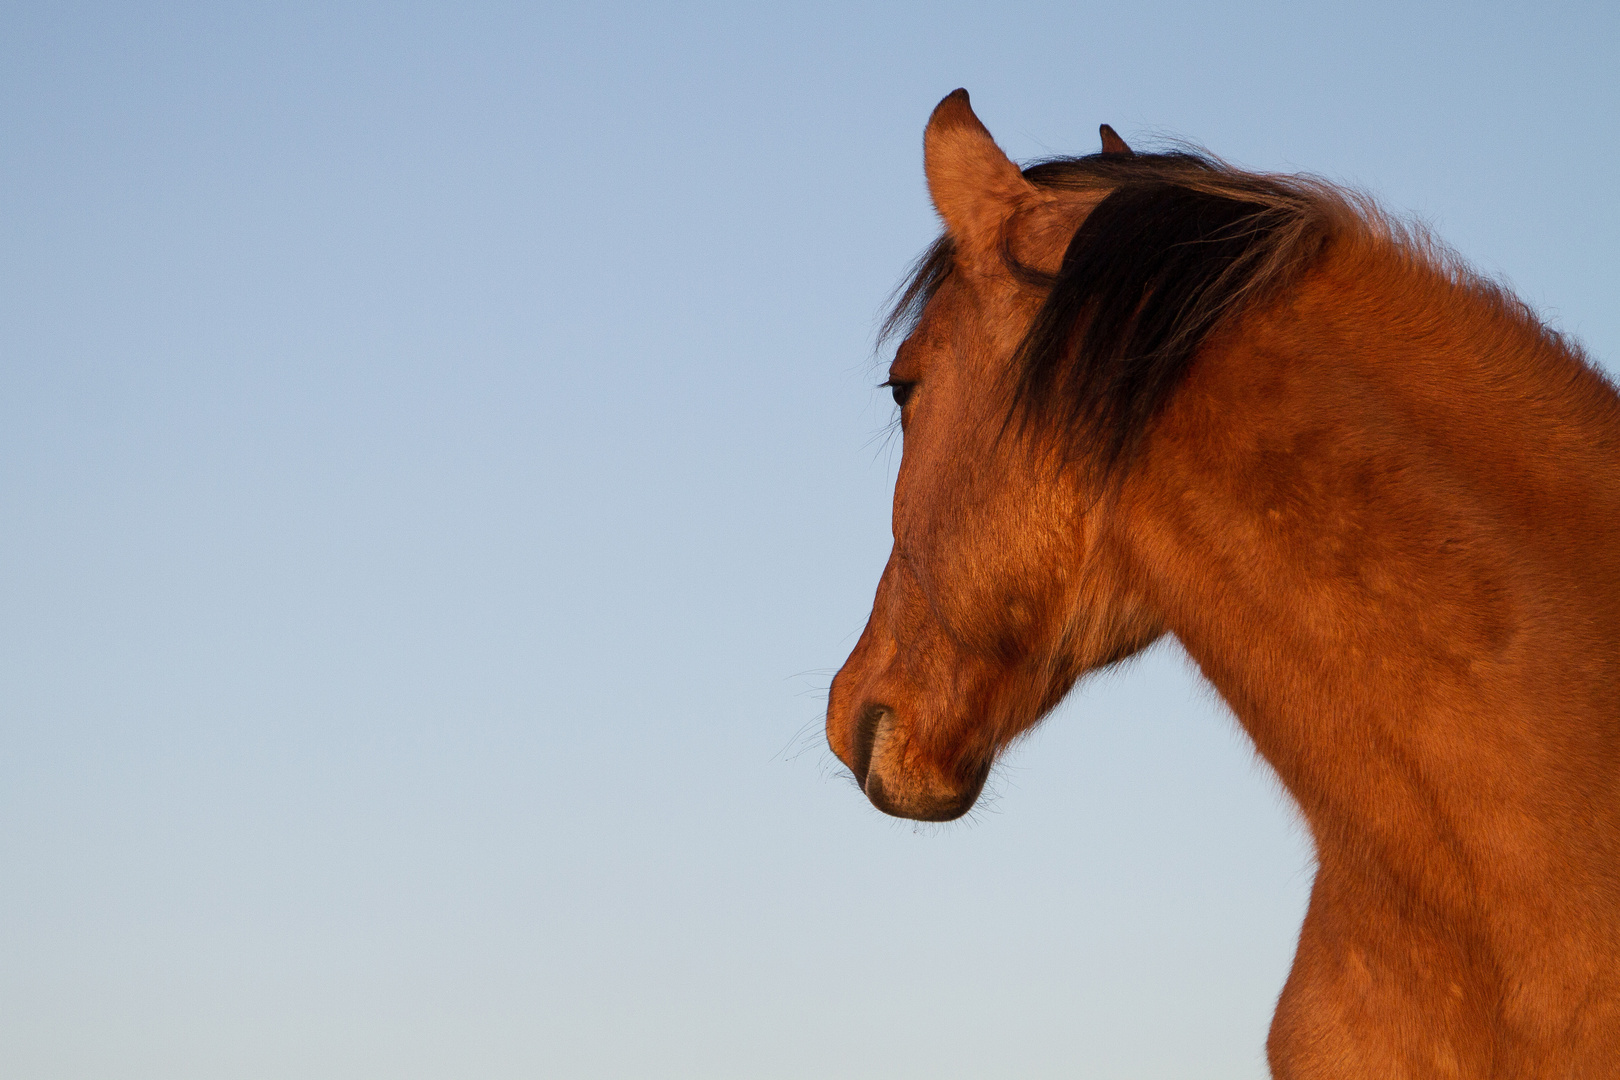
x=441, y=469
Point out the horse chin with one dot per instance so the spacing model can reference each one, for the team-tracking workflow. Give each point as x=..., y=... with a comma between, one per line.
x=921, y=804
x=906, y=792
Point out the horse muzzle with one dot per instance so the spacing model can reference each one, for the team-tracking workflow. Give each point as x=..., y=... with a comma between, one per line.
x=896, y=781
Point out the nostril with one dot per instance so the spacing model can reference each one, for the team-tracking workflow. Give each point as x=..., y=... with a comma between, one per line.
x=873, y=719
x=901, y=787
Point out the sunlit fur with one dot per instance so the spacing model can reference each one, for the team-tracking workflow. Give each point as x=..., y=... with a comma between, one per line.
x=1376, y=501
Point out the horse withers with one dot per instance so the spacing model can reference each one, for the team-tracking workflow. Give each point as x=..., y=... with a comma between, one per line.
x=1372, y=496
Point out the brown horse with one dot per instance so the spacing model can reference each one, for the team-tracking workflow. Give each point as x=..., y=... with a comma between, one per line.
x=1371, y=495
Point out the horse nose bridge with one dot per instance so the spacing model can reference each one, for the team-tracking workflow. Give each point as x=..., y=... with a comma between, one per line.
x=849, y=696
x=869, y=675
x=878, y=708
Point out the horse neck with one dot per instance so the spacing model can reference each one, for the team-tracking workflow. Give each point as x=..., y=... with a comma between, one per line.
x=1384, y=517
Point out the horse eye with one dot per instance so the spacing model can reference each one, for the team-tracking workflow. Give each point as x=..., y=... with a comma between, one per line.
x=900, y=390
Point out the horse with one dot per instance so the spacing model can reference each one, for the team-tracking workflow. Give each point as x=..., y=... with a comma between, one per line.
x=1369, y=493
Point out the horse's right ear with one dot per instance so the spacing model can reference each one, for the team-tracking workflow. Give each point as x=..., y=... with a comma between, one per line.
x=1113, y=144
x=975, y=187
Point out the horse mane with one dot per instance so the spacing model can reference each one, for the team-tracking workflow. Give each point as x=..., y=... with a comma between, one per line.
x=1178, y=246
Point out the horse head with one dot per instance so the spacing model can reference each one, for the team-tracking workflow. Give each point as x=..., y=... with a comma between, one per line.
x=1004, y=584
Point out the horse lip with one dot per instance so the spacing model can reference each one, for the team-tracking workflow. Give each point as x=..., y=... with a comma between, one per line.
x=877, y=721
x=933, y=810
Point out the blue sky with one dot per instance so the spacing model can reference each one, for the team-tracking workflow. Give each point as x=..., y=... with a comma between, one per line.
x=441, y=468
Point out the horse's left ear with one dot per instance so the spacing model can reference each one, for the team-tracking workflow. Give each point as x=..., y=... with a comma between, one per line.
x=975, y=186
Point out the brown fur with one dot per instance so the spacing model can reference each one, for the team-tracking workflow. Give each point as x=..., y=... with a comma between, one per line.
x=1381, y=510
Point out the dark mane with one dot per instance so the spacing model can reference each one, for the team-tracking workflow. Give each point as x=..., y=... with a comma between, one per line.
x=1177, y=245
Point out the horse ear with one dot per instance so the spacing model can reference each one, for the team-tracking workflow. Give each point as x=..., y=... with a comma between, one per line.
x=1113, y=144
x=973, y=184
